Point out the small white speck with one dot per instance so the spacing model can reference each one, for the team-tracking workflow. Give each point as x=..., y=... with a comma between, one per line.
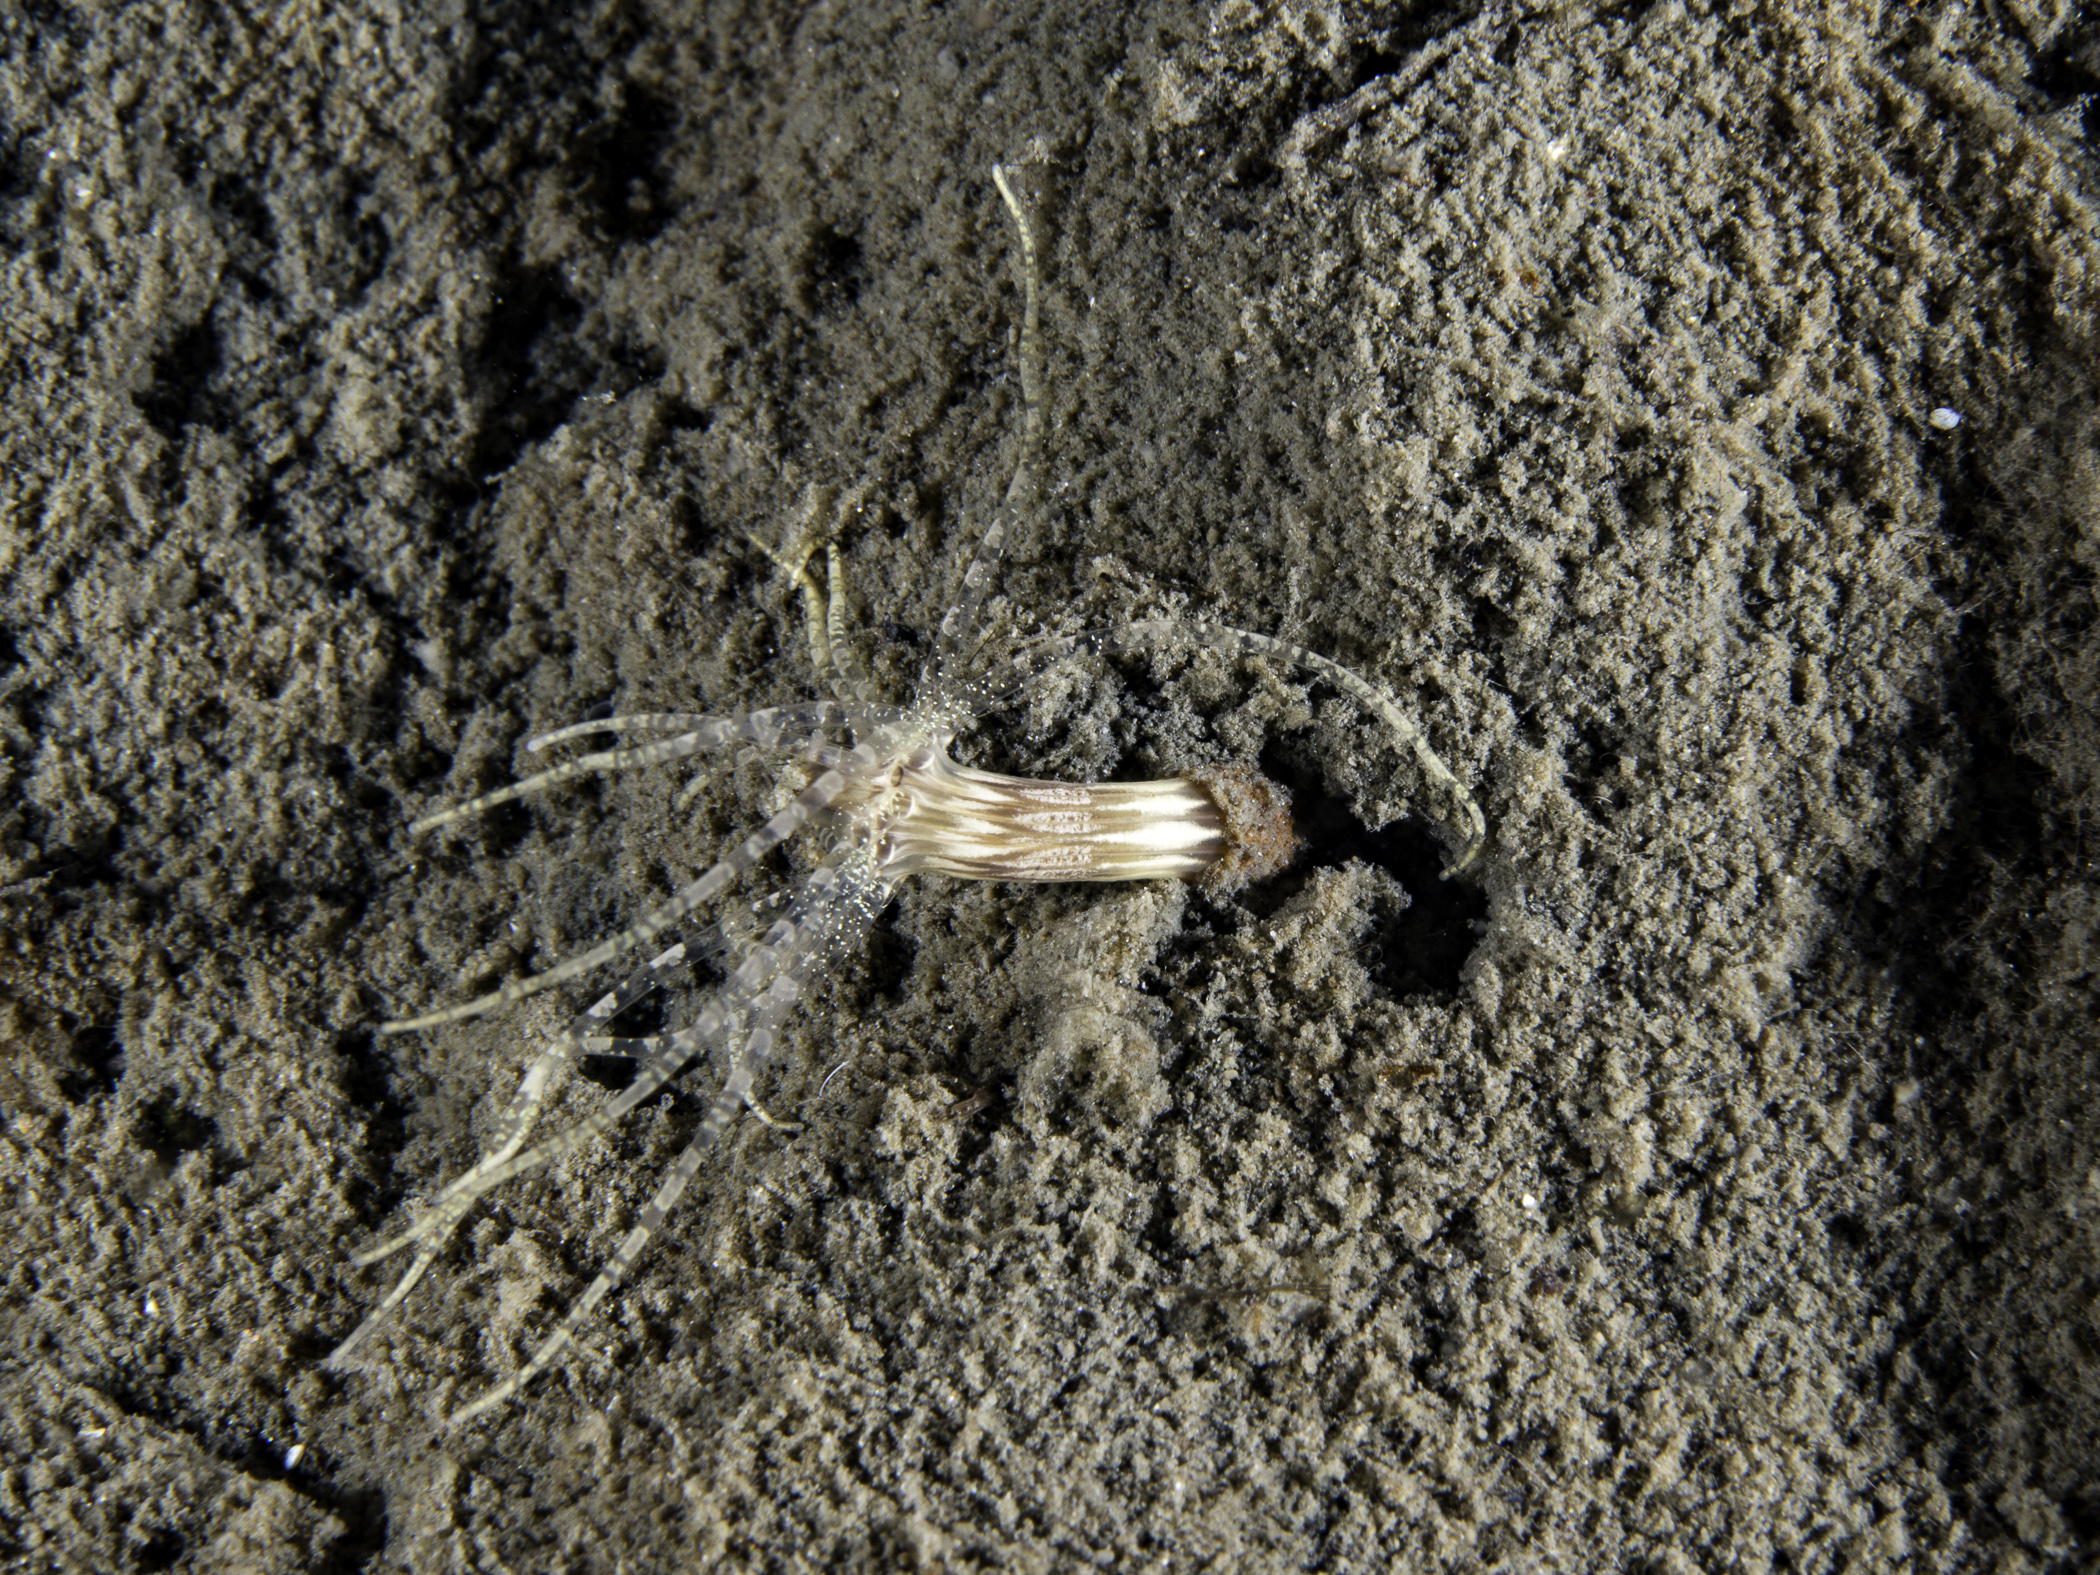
x=293, y=1456
x=152, y=1306
x=1946, y=420
x=1531, y=1204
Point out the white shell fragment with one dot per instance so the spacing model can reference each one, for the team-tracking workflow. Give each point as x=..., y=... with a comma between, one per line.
x=1946, y=420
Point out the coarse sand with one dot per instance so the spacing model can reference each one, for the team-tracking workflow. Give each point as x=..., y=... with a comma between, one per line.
x=1692, y=413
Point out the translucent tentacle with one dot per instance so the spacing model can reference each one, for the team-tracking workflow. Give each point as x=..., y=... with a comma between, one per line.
x=775, y=721
x=539, y=1084
x=805, y=806
x=832, y=653
x=835, y=913
x=763, y=728
x=1023, y=494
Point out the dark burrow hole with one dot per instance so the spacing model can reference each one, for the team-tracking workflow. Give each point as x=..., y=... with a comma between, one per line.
x=159, y=1550
x=170, y=1131
x=890, y=957
x=180, y=393
x=95, y=1064
x=1419, y=949
x=617, y=163
x=530, y=359
x=836, y=269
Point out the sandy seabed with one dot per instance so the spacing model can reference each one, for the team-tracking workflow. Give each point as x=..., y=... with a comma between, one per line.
x=1690, y=412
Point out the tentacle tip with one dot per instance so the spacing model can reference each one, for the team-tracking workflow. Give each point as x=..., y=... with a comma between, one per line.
x=1463, y=862
x=475, y=1409
x=338, y=1360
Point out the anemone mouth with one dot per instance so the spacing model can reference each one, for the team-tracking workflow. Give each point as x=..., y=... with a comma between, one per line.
x=980, y=825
